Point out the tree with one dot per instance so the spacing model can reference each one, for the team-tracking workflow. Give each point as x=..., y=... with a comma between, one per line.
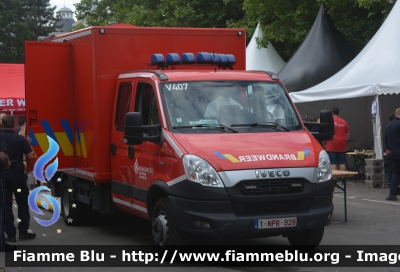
x=39, y=16
x=286, y=23
x=13, y=33
x=22, y=20
x=194, y=13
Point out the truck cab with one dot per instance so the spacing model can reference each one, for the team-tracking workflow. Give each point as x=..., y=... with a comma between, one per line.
x=218, y=153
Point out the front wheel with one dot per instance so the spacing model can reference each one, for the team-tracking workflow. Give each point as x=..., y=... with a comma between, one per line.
x=309, y=238
x=164, y=230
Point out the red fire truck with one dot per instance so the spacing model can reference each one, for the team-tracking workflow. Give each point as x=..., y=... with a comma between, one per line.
x=166, y=124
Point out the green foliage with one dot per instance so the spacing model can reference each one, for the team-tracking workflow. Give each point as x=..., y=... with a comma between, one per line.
x=12, y=33
x=22, y=20
x=39, y=16
x=286, y=23
x=178, y=13
x=78, y=26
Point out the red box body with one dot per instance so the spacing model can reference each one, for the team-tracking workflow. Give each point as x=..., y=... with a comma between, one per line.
x=71, y=82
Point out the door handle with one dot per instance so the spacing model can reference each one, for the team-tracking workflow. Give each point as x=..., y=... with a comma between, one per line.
x=131, y=152
x=113, y=149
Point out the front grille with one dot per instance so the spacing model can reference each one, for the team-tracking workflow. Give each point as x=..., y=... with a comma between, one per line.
x=254, y=208
x=271, y=186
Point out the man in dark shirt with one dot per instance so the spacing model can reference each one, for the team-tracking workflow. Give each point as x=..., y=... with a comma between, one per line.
x=391, y=117
x=392, y=141
x=4, y=163
x=15, y=182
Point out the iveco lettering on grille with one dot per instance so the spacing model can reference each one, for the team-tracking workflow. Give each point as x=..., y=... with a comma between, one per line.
x=272, y=173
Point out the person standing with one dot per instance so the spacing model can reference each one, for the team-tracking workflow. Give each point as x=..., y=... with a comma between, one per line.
x=4, y=164
x=1, y=117
x=337, y=147
x=391, y=117
x=15, y=182
x=392, y=141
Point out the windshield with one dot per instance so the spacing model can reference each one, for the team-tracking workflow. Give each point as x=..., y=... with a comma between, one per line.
x=243, y=105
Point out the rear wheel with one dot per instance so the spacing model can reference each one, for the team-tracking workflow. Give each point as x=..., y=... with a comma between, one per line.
x=164, y=230
x=73, y=213
x=308, y=238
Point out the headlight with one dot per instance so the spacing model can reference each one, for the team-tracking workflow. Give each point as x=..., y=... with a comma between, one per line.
x=324, y=167
x=198, y=170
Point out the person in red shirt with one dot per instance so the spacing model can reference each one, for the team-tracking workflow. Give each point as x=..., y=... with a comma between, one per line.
x=337, y=147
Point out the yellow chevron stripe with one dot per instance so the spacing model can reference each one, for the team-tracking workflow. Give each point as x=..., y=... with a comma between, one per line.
x=64, y=143
x=231, y=158
x=43, y=142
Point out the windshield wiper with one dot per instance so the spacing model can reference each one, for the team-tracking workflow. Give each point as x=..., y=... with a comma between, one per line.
x=262, y=124
x=219, y=126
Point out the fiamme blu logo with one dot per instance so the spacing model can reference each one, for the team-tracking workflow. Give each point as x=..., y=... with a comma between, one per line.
x=43, y=175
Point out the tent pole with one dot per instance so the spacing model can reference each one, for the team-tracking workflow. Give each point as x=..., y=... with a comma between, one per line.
x=377, y=131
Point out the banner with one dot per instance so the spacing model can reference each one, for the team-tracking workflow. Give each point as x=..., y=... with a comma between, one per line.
x=12, y=104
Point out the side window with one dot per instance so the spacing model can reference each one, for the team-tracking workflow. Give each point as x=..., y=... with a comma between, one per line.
x=124, y=98
x=146, y=104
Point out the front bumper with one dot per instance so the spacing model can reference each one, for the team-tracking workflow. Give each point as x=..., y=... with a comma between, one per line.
x=313, y=209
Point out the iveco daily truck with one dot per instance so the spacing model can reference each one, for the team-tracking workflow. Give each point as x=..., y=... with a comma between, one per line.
x=166, y=124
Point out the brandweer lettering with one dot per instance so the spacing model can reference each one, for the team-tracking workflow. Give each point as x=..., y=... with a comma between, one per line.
x=270, y=157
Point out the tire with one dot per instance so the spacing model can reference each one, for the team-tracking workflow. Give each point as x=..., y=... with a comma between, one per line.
x=309, y=238
x=169, y=234
x=72, y=216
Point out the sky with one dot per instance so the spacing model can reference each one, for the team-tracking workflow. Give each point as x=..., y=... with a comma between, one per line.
x=60, y=4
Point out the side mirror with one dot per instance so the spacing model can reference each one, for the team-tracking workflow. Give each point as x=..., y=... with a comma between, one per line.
x=135, y=132
x=326, y=127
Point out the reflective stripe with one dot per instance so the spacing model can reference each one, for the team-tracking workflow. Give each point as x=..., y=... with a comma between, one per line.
x=73, y=36
x=172, y=143
x=130, y=205
x=83, y=172
x=133, y=75
x=176, y=180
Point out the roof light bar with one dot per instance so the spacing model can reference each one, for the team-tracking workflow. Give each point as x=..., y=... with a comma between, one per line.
x=231, y=59
x=204, y=58
x=215, y=58
x=157, y=59
x=173, y=58
x=188, y=58
x=222, y=60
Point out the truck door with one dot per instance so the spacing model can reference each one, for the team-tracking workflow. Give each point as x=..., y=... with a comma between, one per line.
x=120, y=152
x=48, y=95
x=147, y=155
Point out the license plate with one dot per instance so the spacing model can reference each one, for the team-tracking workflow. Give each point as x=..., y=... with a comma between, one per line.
x=288, y=222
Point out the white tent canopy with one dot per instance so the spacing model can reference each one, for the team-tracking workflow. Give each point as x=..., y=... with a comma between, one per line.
x=375, y=71
x=265, y=59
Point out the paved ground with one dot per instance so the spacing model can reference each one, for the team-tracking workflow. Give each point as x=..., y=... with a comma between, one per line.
x=371, y=221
